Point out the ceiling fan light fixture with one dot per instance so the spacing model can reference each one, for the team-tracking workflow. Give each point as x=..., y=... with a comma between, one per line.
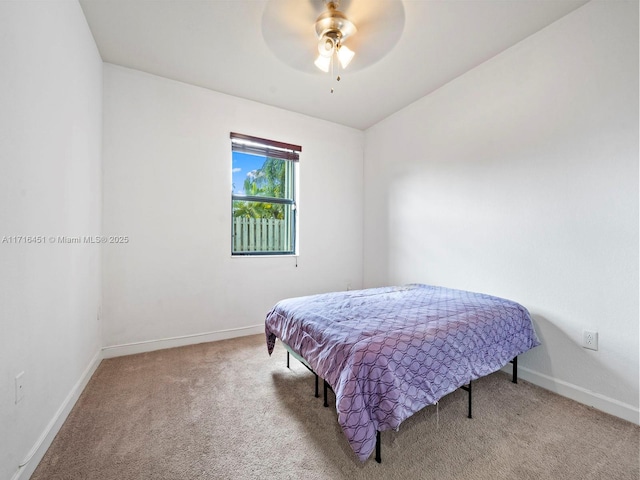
x=323, y=63
x=327, y=46
x=345, y=55
x=332, y=28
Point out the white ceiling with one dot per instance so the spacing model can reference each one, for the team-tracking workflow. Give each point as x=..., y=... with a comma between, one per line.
x=234, y=47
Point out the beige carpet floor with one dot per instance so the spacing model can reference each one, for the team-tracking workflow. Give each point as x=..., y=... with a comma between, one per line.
x=226, y=410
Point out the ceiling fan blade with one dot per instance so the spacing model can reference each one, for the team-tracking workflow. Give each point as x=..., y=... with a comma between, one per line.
x=380, y=25
x=288, y=31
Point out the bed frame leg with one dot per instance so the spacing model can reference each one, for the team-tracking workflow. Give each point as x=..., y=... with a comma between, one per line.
x=326, y=403
x=316, y=375
x=515, y=369
x=378, y=456
x=468, y=389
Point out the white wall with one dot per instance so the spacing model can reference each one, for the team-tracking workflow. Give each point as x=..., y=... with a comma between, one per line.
x=520, y=179
x=50, y=185
x=167, y=186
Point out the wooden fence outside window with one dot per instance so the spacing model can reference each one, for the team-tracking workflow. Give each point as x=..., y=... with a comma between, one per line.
x=260, y=235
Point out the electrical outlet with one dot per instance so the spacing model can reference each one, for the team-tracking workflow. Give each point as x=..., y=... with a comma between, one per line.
x=590, y=340
x=19, y=387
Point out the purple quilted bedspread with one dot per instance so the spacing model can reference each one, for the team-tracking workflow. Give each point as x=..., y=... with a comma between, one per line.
x=389, y=352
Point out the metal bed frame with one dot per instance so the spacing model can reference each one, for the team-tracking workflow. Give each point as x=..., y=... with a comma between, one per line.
x=326, y=387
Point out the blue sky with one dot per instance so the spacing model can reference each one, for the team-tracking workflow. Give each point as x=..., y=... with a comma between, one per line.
x=241, y=165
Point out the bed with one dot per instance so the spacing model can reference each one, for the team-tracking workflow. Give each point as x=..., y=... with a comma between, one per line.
x=389, y=352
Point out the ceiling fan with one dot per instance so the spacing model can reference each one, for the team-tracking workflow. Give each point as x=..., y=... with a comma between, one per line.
x=333, y=28
x=310, y=35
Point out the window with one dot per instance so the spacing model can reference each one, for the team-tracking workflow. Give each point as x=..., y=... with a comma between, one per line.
x=263, y=220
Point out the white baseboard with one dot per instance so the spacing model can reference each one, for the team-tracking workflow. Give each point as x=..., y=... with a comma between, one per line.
x=151, y=345
x=579, y=394
x=32, y=459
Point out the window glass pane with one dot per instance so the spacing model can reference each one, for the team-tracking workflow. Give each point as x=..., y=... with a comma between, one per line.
x=263, y=196
x=259, y=176
x=262, y=227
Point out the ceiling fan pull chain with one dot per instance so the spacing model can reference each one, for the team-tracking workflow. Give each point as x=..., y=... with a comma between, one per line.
x=331, y=77
x=337, y=77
